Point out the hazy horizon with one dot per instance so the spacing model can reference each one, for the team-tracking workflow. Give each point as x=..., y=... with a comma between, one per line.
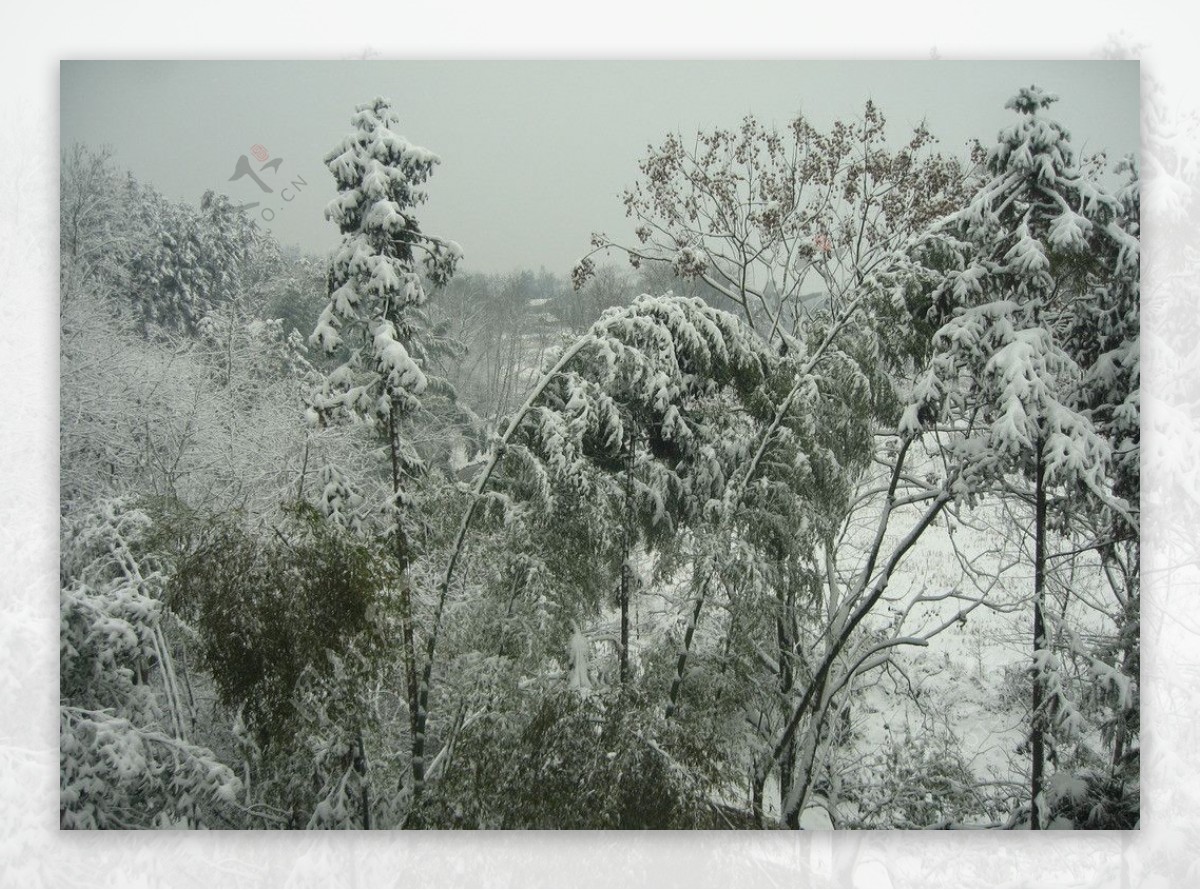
x=534, y=154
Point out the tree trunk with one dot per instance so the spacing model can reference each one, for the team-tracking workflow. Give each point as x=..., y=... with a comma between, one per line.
x=627, y=554
x=758, y=779
x=785, y=651
x=1037, y=738
x=400, y=546
x=360, y=767
x=803, y=750
x=410, y=652
x=786, y=772
x=801, y=756
x=681, y=661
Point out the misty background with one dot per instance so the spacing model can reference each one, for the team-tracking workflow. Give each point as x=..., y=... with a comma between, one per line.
x=534, y=154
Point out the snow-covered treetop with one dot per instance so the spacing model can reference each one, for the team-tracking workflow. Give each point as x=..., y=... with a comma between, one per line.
x=377, y=275
x=1030, y=99
x=1018, y=289
x=374, y=164
x=379, y=175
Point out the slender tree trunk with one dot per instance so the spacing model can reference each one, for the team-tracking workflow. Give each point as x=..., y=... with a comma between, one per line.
x=410, y=653
x=1037, y=733
x=803, y=752
x=758, y=780
x=807, y=747
x=786, y=772
x=400, y=546
x=360, y=767
x=785, y=651
x=627, y=554
x=681, y=662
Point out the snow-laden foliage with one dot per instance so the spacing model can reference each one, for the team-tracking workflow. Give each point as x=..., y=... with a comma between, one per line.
x=1106, y=338
x=1012, y=285
x=124, y=759
x=720, y=424
x=194, y=261
x=732, y=457
x=211, y=420
x=247, y=354
x=625, y=424
x=661, y=373
x=377, y=276
x=913, y=782
x=374, y=322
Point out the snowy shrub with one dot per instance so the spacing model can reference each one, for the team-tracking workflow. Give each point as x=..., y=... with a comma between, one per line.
x=124, y=759
x=1097, y=798
x=922, y=782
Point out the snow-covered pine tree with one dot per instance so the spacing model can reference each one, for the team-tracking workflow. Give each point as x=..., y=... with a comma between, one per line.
x=376, y=290
x=1032, y=290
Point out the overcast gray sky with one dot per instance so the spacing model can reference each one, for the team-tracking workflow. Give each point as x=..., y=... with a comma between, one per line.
x=534, y=154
